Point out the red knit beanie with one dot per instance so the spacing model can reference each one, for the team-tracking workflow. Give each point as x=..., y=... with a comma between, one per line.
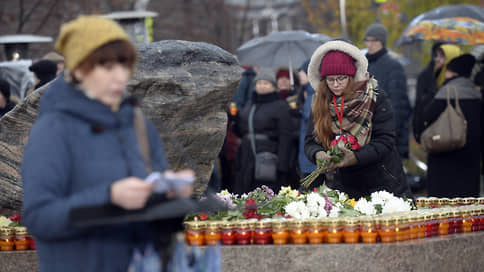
x=337, y=63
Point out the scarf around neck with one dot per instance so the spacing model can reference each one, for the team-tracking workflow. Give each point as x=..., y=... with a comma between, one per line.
x=357, y=114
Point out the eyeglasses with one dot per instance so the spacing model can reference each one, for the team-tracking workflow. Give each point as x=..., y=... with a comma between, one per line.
x=339, y=79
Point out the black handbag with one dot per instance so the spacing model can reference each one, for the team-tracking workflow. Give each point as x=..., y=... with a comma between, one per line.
x=265, y=167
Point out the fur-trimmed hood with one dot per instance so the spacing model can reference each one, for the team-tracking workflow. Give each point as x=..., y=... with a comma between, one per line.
x=361, y=61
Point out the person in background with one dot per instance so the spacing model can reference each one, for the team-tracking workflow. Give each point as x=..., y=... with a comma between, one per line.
x=44, y=71
x=392, y=79
x=429, y=82
x=283, y=82
x=5, y=104
x=347, y=102
x=57, y=58
x=272, y=134
x=83, y=150
x=246, y=87
x=456, y=173
x=305, y=166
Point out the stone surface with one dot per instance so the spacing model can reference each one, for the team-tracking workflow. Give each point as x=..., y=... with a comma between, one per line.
x=184, y=88
x=458, y=252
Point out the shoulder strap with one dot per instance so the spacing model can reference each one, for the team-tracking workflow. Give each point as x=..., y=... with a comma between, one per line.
x=251, y=128
x=142, y=136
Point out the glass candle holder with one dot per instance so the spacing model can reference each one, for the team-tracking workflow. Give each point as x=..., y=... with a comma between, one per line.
x=315, y=231
x=368, y=231
x=297, y=231
x=460, y=201
x=413, y=226
x=21, y=238
x=243, y=235
x=7, y=241
x=263, y=232
x=433, y=202
x=386, y=229
x=475, y=212
x=227, y=230
x=467, y=201
x=466, y=221
x=351, y=230
x=420, y=202
x=480, y=200
x=457, y=221
x=453, y=202
x=194, y=232
x=280, y=233
x=443, y=219
x=212, y=234
x=481, y=218
x=335, y=231
x=402, y=230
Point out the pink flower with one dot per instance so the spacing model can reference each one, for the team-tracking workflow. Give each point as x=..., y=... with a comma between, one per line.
x=315, y=190
x=355, y=146
x=352, y=139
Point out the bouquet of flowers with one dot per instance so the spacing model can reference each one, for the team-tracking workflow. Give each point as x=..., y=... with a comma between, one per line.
x=383, y=202
x=348, y=142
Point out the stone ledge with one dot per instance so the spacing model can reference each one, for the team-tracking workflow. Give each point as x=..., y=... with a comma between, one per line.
x=459, y=252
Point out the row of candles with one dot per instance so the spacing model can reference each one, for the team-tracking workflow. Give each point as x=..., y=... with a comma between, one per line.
x=365, y=229
x=434, y=202
x=15, y=238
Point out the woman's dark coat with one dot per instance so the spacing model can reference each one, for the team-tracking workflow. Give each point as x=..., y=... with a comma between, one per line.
x=456, y=173
x=379, y=165
x=271, y=119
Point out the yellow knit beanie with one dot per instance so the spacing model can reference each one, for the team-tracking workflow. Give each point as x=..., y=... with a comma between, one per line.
x=80, y=37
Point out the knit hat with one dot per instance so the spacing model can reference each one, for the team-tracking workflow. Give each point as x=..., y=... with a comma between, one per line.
x=266, y=74
x=5, y=89
x=44, y=69
x=53, y=56
x=80, y=37
x=377, y=31
x=360, y=62
x=462, y=65
x=337, y=63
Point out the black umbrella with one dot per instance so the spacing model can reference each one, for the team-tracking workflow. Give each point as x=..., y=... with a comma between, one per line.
x=442, y=12
x=283, y=48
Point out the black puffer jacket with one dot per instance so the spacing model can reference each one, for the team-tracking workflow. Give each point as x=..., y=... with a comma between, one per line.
x=271, y=118
x=379, y=166
x=392, y=79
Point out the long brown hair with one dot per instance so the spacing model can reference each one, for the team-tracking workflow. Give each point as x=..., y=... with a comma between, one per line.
x=322, y=113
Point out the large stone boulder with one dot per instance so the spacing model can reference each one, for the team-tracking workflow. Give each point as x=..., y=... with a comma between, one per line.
x=184, y=88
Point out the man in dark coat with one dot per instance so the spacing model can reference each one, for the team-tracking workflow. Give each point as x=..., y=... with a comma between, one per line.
x=391, y=78
x=456, y=173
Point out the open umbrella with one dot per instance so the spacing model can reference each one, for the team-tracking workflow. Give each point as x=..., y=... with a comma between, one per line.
x=280, y=49
x=451, y=23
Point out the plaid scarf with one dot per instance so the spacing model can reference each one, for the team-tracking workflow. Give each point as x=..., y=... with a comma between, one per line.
x=357, y=114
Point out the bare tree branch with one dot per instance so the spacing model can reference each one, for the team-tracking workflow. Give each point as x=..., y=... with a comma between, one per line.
x=23, y=20
x=46, y=16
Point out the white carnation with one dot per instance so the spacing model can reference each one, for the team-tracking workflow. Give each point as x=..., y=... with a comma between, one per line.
x=365, y=207
x=334, y=212
x=315, y=205
x=381, y=197
x=396, y=204
x=342, y=197
x=297, y=210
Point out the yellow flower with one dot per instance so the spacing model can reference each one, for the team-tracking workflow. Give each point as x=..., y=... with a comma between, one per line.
x=352, y=202
x=224, y=192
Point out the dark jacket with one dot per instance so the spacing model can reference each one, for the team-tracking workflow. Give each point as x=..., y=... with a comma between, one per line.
x=456, y=173
x=391, y=78
x=379, y=165
x=77, y=148
x=270, y=119
x=305, y=166
x=246, y=88
x=425, y=92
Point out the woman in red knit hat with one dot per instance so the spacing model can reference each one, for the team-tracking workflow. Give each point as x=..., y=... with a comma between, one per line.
x=348, y=102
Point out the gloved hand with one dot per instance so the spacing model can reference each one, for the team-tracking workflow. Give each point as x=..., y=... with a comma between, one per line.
x=349, y=159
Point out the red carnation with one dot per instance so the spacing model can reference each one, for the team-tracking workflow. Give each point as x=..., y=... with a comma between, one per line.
x=352, y=139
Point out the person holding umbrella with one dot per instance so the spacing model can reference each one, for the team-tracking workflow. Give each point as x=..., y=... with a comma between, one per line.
x=84, y=150
x=348, y=102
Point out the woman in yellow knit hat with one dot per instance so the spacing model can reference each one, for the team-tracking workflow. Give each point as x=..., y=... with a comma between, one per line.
x=83, y=151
